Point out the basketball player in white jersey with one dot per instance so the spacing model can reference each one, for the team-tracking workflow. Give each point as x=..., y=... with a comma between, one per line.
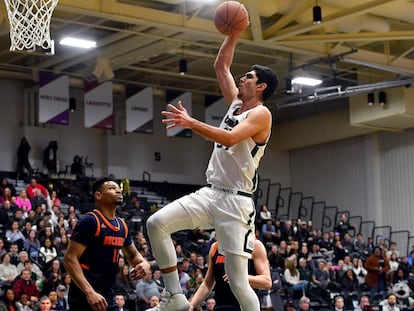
x=226, y=202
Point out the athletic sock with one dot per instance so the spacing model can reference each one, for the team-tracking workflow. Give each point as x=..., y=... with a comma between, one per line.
x=172, y=282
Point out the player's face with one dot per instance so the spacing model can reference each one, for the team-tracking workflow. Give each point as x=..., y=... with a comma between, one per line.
x=247, y=84
x=111, y=192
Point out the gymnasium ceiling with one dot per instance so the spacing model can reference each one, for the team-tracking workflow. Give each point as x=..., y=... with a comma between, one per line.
x=359, y=42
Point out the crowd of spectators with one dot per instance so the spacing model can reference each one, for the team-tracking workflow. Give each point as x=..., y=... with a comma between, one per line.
x=316, y=265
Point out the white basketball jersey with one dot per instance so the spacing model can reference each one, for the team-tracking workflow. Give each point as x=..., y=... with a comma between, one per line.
x=235, y=167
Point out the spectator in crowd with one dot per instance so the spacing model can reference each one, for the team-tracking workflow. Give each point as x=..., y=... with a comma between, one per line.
x=305, y=271
x=6, y=195
x=210, y=304
x=62, y=245
x=48, y=251
x=8, y=271
x=26, y=263
x=267, y=233
x=326, y=244
x=8, y=301
x=339, y=304
x=343, y=226
x=7, y=207
x=23, y=200
x=146, y=288
x=292, y=276
x=54, y=306
x=61, y=300
x=32, y=244
x=390, y=304
x=157, y=277
x=125, y=285
x=360, y=272
x=45, y=304
x=360, y=246
x=6, y=184
x=53, y=276
x=31, y=189
x=264, y=214
x=377, y=266
x=304, y=304
x=382, y=243
x=394, y=264
x=38, y=199
x=14, y=254
x=321, y=276
x=24, y=304
x=392, y=250
x=54, y=199
x=349, y=284
x=276, y=261
x=120, y=302
x=153, y=302
x=23, y=158
x=14, y=235
x=25, y=285
x=364, y=303
x=339, y=251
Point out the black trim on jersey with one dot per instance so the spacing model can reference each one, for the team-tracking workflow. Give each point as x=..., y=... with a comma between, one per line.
x=247, y=250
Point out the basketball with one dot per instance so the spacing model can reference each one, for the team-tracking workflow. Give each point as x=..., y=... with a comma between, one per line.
x=231, y=17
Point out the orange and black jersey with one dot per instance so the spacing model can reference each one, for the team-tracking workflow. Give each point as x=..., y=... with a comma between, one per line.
x=222, y=292
x=104, y=239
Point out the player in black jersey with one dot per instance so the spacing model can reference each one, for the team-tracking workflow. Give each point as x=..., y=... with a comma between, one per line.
x=93, y=252
x=259, y=278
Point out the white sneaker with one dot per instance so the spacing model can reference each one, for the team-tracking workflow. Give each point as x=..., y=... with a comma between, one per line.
x=176, y=302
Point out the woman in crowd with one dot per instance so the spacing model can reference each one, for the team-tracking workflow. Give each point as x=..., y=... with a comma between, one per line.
x=14, y=235
x=23, y=200
x=292, y=275
x=48, y=251
x=32, y=244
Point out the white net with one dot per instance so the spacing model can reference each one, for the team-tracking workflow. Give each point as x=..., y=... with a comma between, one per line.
x=30, y=23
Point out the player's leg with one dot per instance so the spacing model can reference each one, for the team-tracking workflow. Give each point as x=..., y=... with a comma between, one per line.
x=236, y=270
x=171, y=218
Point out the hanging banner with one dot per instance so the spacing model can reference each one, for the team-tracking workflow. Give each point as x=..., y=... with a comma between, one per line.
x=186, y=101
x=216, y=108
x=140, y=111
x=98, y=105
x=53, y=98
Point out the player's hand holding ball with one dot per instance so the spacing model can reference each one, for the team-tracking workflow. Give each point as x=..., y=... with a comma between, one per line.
x=231, y=17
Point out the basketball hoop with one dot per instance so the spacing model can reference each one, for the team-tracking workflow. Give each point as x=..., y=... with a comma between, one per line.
x=30, y=23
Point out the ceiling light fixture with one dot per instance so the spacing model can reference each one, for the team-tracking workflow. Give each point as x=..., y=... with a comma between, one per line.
x=306, y=81
x=79, y=43
x=382, y=97
x=371, y=99
x=317, y=14
x=182, y=65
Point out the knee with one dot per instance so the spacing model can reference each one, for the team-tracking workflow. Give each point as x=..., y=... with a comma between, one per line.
x=153, y=223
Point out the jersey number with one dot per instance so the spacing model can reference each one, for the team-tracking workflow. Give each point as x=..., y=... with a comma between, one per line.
x=115, y=258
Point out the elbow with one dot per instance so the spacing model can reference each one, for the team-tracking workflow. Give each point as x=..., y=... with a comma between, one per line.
x=268, y=284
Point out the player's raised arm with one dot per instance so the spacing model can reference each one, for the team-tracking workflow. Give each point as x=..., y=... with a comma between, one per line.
x=222, y=65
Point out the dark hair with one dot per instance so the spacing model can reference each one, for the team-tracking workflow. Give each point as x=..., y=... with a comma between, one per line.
x=98, y=184
x=266, y=75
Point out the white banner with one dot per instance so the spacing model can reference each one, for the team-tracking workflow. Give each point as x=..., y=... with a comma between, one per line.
x=215, y=112
x=140, y=112
x=54, y=99
x=186, y=101
x=98, y=105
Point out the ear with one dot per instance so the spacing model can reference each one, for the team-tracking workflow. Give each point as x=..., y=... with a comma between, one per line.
x=98, y=195
x=261, y=86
